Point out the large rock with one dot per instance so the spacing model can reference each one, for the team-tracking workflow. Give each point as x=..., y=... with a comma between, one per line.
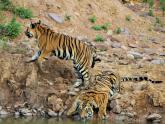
x=56, y=18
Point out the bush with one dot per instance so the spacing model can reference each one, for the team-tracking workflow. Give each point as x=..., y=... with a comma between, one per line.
x=105, y=26
x=99, y=38
x=128, y=18
x=23, y=12
x=11, y=29
x=97, y=27
x=6, y=5
x=117, y=30
x=162, y=6
x=93, y=19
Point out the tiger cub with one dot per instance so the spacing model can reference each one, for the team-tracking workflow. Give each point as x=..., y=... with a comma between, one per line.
x=64, y=47
x=105, y=86
x=99, y=98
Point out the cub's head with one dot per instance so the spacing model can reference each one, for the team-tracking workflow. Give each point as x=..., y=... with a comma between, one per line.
x=33, y=30
x=109, y=79
x=86, y=111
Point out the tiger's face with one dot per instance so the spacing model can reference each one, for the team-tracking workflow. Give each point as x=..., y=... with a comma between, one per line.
x=32, y=30
x=87, y=111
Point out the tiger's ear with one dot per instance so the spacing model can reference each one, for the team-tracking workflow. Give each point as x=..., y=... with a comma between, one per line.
x=39, y=22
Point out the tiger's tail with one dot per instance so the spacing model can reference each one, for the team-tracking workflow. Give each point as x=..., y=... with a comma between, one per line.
x=139, y=78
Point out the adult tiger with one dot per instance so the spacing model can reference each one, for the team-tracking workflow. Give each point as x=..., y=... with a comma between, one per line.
x=64, y=47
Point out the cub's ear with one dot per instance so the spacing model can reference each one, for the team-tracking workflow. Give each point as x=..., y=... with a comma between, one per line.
x=39, y=22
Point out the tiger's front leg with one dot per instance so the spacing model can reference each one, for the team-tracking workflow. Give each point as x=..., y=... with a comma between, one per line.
x=34, y=57
x=41, y=59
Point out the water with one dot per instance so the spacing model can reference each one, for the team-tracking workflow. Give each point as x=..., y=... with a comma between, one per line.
x=33, y=120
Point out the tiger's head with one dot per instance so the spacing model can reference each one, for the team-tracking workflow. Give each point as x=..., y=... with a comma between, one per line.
x=86, y=110
x=110, y=80
x=32, y=30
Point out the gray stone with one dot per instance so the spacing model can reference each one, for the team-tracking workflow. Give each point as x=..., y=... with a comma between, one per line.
x=56, y=18
x=130, y=56
x=3, y=112
x=115, y=106
x=52, y=113
x=153, y=117
x=131, y=114
x=162, y=54
x=115, y=45
x=136, y=55
x=158, y=61
x=25, y=112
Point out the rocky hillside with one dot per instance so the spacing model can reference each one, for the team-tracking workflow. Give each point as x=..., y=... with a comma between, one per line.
x=133, y=45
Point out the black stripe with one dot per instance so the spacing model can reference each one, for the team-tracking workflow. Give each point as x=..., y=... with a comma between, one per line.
x=64, y=47
x=70, y=46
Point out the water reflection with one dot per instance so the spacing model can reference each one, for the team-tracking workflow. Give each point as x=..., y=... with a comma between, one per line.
x=33, y=120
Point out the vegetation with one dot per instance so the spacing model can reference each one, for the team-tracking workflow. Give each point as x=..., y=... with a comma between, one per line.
x=99, y=38
x=23, y=12
x=97, y=27
x=105, y=26
x=11, y=29
x=4, y=45
x=67, y=17
x=158, y=22
x=93, y=19
x=128, y=18
x=151, y=5
x=162, y=6
x=117, y=30
x=19, y=11
x=6, y=5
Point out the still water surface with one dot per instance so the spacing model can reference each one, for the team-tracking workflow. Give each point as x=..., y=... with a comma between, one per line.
x=33, y=120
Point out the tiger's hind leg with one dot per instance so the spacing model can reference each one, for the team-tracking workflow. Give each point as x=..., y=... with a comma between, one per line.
x=79, y=77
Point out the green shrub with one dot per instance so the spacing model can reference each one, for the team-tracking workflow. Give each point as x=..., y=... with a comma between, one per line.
x=117, y=30
x=97, y=27
x=93, y=19
x=128, y=18
x=162, y=6
x=6, y=5
x=105, y=26
x=99, y=38
x=11, y=29
x=4, y=45
x=23, y=12
x=67, y=17
x=151, y=13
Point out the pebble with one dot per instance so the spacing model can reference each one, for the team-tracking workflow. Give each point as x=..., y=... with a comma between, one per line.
x=56, y=18
x=130, y=56
x=158, y=61
x=52, y=113
x=153, y=117
x=25, y=112
x=115, y=45
x=136, y=55
x=3, y=112
x=162, y=54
